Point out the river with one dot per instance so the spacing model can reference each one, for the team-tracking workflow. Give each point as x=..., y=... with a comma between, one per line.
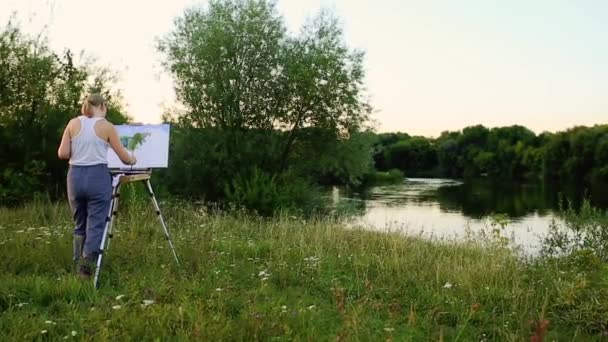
x=447, y=209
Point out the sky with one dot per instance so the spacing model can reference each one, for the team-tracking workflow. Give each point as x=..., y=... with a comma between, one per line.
x=431, y=65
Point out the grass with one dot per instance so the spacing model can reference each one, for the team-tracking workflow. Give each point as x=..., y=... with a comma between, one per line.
x=248, y=278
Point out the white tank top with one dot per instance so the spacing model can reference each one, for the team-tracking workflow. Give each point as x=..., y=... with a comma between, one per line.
x=87, y=147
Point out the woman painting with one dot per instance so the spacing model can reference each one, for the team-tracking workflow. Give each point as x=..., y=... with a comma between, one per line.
x=85, y=144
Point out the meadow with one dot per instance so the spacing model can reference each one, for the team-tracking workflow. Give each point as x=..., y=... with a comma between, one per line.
x=244, y=277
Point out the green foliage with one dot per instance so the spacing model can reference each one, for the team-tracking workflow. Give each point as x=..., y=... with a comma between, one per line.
x=40, y=92
x=412, y=156
x=268, y=194
x=582, y=230
x=514, y=152
x=392, y=176
x=260, y=99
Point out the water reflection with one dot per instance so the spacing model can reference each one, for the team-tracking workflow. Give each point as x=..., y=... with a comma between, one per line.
x=446, y=208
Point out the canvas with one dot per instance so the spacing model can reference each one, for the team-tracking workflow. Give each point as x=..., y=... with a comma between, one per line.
x=148, y=143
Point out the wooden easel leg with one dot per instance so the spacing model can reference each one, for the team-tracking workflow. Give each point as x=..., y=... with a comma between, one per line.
x=160, y=218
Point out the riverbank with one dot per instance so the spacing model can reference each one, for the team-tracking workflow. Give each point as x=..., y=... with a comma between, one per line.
x=248, y=278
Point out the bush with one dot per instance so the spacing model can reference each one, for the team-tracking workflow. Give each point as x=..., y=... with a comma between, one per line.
x=393, y=176
x=267, y=194
x=586, y=229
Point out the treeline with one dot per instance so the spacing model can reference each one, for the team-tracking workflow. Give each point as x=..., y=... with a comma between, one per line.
x=578, y=154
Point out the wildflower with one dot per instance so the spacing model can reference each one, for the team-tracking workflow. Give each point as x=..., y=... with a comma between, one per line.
x=74, y=333
x=448, y=285
x=389, y=329
x=311, y=307
x=20, y=231
x=49, y=322
x=264, y=275
x=44, y=332
x=119, y=297
x=22, y=304
x=116, y=307
x=147, y=302
x=219, y=289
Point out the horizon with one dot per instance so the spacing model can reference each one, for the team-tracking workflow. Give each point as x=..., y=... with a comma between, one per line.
x=538, y=65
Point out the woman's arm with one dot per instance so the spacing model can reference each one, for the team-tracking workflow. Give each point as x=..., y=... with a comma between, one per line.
x=65, y=147
x=116, y=145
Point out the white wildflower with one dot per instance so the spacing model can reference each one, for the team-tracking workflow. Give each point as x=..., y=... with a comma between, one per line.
x=74, y=333
x=44, y=332
x=448, y=285
x=22, y=304
x=389, y=329
x=264, y=275
x=219, y=289
x=147, y=302
x=311, y=307
x=119, y=297
x=116, y=307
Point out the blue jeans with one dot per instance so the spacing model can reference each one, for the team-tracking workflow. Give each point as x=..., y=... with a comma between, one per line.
x=90, y=195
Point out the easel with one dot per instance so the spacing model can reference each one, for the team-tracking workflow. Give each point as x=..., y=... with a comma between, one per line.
x=121, y=177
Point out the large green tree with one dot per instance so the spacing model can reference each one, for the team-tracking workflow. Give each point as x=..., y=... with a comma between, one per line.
x=236, y=68
x=262, y=103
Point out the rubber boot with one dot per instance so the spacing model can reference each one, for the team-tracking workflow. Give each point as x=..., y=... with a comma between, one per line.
x=77, y=250
x=87, y=266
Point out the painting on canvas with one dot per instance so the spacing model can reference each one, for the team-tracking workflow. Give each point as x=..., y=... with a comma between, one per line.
x=148, y=143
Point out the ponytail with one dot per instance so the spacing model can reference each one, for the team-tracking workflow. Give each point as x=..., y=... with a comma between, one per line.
x=90, y=101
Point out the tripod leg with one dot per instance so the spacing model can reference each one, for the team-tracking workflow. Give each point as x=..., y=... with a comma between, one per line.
x=107, y=233
x=114, y=208
x=160, y=218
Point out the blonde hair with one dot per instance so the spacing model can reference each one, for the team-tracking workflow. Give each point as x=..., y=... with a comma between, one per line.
x=90, y=101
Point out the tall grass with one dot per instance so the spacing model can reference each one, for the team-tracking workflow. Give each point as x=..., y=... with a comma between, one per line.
x=245, y=277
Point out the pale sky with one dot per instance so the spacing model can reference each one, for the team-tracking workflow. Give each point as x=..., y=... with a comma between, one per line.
x=432, y=65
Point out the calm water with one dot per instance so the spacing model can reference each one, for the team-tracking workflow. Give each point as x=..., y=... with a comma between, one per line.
x=446, y=208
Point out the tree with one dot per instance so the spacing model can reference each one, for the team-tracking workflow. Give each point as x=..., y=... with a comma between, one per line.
x=40, y=91
x=236, y=69
x=412, y=156
x=275, y=103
